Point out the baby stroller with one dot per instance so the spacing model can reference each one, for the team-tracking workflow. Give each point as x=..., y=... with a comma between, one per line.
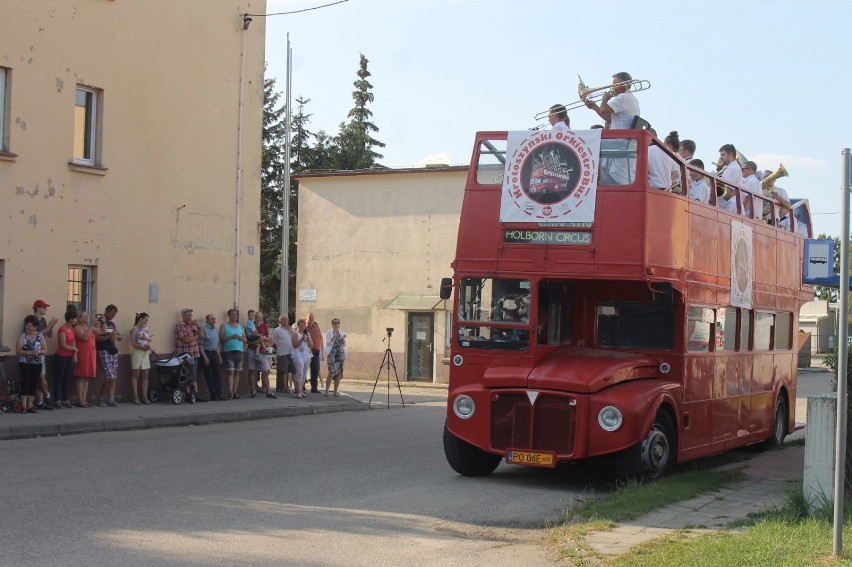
x=11, y=401
x=175, y=379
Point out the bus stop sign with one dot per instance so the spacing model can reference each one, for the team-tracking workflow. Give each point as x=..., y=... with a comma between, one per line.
x=819, y=263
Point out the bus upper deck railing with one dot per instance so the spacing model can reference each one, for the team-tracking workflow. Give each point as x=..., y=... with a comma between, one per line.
x=625, y=150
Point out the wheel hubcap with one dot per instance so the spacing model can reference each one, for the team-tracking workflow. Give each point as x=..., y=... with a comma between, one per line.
x=655, y=452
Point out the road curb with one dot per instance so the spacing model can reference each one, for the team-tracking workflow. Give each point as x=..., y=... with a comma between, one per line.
x=28, y=431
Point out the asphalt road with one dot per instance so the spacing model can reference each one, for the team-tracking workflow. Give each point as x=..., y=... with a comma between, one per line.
x=349, y=489
x=813, y=382
x=353, y=488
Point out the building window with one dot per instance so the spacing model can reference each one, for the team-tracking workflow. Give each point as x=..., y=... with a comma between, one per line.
x=4, y=110
x=86, y=126
x=79, y=294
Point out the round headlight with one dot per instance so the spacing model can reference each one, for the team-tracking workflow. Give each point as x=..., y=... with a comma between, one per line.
x=458, y=360
x=464, y=407
x=609, y=418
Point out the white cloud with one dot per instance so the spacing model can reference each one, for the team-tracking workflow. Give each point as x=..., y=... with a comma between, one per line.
x=441, y=158
x=771, y=161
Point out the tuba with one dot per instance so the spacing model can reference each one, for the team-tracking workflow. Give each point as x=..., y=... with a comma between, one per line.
x=769, y=180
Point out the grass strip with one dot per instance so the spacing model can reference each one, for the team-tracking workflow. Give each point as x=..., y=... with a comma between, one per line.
x=628, y=502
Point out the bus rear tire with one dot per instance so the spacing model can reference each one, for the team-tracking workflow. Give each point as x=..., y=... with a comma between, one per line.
x=466, y=459
x=779, y=423
x=654, y=457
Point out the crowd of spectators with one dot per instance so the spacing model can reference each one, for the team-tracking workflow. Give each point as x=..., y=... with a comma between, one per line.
x=81, y=348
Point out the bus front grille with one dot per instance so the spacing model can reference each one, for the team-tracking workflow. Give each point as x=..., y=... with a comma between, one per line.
x=548, y=425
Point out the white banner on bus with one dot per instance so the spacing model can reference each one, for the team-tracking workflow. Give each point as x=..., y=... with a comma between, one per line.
x=550, y=176
x=742, y=264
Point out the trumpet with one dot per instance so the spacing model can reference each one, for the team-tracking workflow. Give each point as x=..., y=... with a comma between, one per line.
x=597, y=93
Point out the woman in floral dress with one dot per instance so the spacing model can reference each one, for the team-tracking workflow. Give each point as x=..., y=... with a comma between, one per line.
x=335, y=355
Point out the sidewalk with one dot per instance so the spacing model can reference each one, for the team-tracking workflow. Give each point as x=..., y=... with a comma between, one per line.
x=769, y=476
x=354, y=397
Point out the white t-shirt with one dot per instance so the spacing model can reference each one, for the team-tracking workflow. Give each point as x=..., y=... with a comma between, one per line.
x=781, y=192
x=659, y=168
x=733, y=173
x=729, y=205
x=283, y=338
x=700, y=191
x=624, y=107
x=561, y=126
x=752, y=183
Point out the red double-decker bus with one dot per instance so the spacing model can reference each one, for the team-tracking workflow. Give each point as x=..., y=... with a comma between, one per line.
x=620, y=320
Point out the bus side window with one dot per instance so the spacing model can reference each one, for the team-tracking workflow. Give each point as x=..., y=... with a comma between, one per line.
x=491, y=163
x=618, y=161
x=745, y=329
x=700, y=328
x=783, y=330
x=763, y=324
x=726, y=328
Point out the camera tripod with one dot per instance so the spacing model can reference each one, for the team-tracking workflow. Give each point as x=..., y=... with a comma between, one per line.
x=387, y=363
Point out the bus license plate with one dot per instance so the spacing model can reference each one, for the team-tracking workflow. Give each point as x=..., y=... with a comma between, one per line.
x=531, y=458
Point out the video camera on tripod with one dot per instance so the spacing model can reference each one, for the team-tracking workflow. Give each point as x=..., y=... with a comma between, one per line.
x=387, y=364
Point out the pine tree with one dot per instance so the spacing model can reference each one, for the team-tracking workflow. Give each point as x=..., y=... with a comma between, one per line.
x=354, y=143
x=271, y=197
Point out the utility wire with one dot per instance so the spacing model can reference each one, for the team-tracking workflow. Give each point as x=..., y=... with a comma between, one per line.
x=298, y=11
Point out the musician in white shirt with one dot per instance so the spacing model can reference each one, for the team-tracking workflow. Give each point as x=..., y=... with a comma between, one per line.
x=733, y=172
x=619, y=106
x=750, y=180
x=687, y=150
x=727, y=201
x=698, y=188
x=558, y=118
x=662, y=169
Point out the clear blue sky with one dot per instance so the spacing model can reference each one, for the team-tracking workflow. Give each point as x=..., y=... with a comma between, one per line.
x=771, y=77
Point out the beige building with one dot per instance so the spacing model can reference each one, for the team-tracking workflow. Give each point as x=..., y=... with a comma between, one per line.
x=130, y=158
x=819, y=318
x=372, y=249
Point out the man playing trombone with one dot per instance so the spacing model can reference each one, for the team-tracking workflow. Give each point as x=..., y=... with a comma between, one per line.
x=618, y=106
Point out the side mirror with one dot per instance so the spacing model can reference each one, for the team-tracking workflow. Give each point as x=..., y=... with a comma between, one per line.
x=446, y=288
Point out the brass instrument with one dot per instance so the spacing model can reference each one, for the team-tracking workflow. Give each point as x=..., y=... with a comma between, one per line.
x=597, y=93
x=769, y=180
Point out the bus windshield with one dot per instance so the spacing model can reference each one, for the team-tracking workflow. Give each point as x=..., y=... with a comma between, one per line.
x=494, y=313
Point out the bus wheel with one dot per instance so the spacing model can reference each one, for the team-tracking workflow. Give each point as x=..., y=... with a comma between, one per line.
x=779, y=424
x=654, y=457
x=466, y=459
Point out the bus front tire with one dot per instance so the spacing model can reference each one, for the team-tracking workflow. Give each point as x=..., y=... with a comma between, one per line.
x=779, y=423
x=466, y=459
x=654, y=457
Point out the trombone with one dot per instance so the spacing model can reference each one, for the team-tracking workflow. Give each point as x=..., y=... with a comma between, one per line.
x=597, y=93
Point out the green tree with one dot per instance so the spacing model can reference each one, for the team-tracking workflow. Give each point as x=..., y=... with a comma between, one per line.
x=829, y=293
x=273, y=166
x=302, y=158
x=355, y=142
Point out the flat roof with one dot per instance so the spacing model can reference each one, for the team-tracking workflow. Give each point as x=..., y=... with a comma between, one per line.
x=380, y=171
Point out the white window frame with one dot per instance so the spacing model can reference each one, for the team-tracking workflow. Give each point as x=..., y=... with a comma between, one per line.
x=79, y=289
x=4, y=140
x=91, y=154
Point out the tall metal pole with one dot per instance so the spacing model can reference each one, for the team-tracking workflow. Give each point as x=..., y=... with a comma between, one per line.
x=285, y=221
x=239, y=189
x=842, y=355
